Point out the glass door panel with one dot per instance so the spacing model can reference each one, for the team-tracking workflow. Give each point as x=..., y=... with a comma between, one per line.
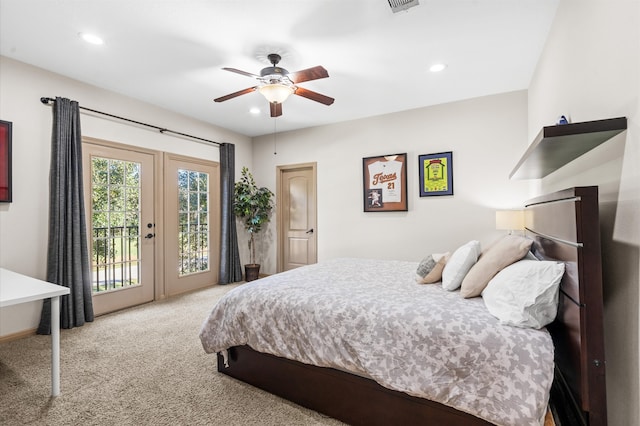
x=115, y=190
x=193, y=222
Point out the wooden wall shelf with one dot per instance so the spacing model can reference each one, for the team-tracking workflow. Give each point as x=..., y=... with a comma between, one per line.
x=557, y=145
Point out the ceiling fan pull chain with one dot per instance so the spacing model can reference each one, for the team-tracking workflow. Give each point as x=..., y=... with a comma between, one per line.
x=275, y=137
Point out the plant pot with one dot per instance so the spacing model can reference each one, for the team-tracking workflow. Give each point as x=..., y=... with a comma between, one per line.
x=251, y=271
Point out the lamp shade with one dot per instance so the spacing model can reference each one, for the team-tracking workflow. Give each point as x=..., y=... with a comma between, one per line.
x=510, y=219
x=276, y=93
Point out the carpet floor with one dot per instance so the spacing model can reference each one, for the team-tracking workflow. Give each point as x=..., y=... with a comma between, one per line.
x=139, y=366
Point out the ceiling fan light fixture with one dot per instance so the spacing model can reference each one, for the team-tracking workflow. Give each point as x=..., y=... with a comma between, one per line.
x=276, y=85
x=276, y=92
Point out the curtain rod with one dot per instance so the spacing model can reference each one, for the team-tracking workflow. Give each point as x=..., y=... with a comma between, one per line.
x=46, y=101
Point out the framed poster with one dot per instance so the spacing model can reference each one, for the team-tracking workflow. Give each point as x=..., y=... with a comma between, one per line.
x=385, y=183
x=5, y=161
x=436, y=174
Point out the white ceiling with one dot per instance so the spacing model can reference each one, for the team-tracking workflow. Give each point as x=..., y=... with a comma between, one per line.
x=171, y=53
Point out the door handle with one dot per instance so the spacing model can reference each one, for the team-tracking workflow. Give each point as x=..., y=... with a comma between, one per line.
x=310, y=231
x=150, y=235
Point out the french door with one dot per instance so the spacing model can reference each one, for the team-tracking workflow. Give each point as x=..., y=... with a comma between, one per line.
x=119, y=203
x=191, y=223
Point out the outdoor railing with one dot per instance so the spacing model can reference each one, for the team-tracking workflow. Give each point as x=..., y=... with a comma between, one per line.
x=115, y=257
x=193, y=242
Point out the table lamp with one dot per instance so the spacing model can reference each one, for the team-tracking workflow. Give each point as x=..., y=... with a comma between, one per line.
x=511, y=220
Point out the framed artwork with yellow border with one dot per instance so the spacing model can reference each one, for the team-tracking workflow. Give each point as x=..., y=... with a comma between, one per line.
x=436, y=174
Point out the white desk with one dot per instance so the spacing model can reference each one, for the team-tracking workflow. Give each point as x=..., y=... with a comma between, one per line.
x=15, y=289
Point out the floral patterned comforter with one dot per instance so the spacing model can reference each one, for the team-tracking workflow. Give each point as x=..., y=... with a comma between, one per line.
x=371, y=318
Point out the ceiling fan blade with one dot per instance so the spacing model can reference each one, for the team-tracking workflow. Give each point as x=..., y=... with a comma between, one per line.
x=237, y=71
x=314, y=96
x=276, y=109
x=309, y=74
x=235, y=94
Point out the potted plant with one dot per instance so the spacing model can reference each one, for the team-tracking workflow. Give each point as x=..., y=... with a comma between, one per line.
x=253, y=205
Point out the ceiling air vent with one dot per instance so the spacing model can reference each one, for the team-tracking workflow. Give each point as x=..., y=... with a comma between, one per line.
x=398, y=5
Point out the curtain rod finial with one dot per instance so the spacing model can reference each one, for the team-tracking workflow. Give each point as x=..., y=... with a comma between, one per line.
x=45, y=100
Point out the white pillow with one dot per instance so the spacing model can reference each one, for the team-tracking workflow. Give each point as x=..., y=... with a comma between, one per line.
x=459, y=264
x=525, y=294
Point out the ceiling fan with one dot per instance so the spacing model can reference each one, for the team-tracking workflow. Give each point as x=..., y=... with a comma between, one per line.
x=276, y=84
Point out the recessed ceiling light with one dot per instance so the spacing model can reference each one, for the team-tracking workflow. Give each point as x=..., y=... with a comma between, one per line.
x=437, y=67
x=255, y=110
x=91, y=38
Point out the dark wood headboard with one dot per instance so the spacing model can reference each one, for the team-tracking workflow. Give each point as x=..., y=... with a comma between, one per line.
x=565, y=226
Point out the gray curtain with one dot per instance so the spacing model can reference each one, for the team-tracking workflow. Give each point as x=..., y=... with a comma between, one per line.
x=67, y=255
x=230, y=268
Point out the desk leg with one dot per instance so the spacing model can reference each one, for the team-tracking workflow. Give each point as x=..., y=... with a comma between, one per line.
x=55, y=346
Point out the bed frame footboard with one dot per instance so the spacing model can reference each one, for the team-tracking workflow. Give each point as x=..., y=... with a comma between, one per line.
x=352, y=399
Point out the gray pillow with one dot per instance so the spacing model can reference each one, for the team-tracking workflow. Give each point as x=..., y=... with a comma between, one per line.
x=430, y=268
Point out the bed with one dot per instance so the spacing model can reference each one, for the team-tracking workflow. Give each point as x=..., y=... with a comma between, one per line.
x=322, y=337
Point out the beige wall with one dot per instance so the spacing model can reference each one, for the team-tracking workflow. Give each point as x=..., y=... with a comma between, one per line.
x=23, y=223
x=486, y=135
x=589, y=70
